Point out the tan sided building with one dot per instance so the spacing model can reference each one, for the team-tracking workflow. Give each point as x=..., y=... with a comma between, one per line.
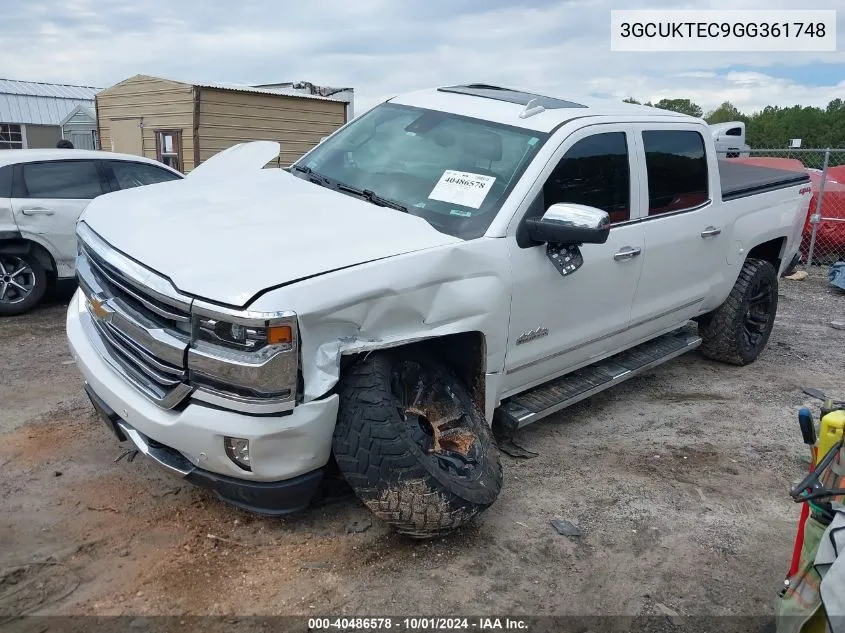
x=183, y=124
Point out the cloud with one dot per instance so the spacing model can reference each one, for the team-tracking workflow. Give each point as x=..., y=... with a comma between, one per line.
x=383, y=47
x=748, y=91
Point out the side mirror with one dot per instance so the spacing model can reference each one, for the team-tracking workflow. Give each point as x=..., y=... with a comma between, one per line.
x=570, y=224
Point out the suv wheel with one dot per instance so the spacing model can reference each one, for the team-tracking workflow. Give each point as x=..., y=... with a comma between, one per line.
x=23, y=282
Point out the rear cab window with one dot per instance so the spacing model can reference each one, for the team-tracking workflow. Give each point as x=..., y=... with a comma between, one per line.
x=676, y=163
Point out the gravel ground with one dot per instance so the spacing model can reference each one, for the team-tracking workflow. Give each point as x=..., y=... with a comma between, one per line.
x=677, y=479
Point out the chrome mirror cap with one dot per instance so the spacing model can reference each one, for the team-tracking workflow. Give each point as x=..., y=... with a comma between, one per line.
x=577, y=216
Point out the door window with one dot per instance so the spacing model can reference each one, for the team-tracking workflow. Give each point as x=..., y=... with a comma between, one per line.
x=70, y=179
x=677, y=170
x=128, y=174
x=594, y=172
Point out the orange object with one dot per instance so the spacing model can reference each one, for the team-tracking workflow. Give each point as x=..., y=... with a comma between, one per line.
x=279, y=334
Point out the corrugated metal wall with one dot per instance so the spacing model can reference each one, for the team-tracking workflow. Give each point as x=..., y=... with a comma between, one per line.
x=158, y=103
x=79, y=128
x=229, y=117
x=40, y=103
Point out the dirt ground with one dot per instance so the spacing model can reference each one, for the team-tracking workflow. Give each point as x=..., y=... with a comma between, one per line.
x=678, y=480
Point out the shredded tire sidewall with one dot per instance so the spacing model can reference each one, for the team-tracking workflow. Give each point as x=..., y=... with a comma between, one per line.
x=378, y=454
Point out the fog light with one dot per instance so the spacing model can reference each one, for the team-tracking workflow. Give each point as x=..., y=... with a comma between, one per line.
x=237, y=449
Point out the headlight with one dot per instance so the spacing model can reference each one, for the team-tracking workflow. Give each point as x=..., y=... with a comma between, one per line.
x=248, y=338
x=251, y=358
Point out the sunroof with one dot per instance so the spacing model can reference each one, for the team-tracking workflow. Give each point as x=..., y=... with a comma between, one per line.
x=510, y=96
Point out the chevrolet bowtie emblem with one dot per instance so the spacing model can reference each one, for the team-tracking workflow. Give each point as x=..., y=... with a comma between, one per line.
x=98, y=308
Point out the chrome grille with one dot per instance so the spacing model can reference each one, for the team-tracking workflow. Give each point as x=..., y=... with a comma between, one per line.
x=154, y=308
x=140, y=324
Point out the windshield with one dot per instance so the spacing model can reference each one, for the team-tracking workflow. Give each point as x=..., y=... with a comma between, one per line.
x=453, y=171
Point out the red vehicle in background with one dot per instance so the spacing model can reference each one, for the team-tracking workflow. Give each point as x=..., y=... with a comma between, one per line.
x=830, y=235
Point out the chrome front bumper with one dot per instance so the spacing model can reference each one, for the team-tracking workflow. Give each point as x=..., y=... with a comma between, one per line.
x=271, y=498
x=282, y=446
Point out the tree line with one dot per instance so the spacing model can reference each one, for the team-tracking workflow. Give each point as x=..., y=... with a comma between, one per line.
x=773, y=126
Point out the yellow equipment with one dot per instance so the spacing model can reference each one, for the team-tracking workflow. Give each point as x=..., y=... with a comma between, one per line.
x=831, y=432
x=799, y=606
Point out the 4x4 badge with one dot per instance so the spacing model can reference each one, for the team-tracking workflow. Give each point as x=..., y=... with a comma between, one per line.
x=531, y=335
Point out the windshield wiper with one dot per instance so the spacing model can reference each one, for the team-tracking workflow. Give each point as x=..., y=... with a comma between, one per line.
x=313, y=176
x=366, y=194
x=372, y=196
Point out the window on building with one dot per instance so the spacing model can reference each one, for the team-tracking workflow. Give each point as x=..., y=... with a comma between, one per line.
x=169, y=148
x=594, y=172
x=677, y=170
x=11, y=136
x=128, y=174
x=70, y=179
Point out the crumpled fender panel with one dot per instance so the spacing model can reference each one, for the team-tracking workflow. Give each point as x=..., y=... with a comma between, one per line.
x=430, y=293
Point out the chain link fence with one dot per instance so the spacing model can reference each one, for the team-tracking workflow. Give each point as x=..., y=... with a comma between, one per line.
x=823, y=240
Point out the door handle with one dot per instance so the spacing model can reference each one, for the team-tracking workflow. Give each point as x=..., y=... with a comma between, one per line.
x=710, y=231
x=627, y=253
x=37, y=211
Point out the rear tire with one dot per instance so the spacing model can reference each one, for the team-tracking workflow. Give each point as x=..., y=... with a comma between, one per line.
x=738, y=330
x=413, y=445
x=23, y=281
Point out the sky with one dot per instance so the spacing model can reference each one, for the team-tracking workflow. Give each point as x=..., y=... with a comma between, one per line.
x=385, y=47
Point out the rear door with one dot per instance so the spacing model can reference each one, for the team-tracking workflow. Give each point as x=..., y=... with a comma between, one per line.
x=685, y=229
x=47, y=200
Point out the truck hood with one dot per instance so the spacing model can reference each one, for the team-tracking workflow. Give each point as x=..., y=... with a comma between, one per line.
x=229, y=239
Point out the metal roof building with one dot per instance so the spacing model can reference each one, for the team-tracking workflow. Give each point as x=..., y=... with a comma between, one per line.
x=31, y=113
x=183, y=124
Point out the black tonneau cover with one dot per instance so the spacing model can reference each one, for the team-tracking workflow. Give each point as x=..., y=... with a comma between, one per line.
x=740, y=180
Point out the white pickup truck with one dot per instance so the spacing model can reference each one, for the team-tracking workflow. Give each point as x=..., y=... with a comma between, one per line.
x=453, y=256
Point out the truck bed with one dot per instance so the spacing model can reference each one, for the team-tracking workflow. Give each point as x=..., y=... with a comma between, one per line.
x=740, y=180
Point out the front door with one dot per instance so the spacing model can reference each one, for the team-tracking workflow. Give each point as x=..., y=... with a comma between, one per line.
x=561, y=322
x=47, y=200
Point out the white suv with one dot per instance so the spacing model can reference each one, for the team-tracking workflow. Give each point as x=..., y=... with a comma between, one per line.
x=42, y=194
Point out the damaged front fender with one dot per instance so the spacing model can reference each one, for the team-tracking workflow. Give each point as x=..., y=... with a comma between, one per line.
x=406, y=299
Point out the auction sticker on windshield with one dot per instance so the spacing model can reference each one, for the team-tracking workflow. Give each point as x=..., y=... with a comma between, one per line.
x=462, y=187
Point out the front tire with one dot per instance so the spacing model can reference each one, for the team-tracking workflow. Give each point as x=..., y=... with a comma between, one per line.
x=738, y=330
x=23, y=282
x=413, y=445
